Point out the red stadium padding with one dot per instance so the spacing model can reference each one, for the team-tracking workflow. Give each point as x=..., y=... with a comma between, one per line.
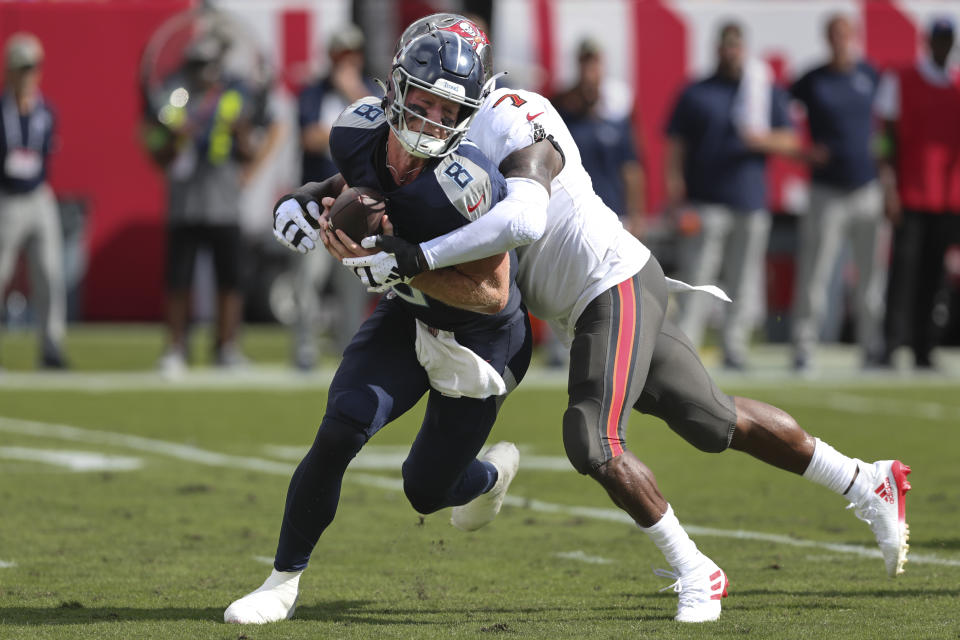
x=91, y=77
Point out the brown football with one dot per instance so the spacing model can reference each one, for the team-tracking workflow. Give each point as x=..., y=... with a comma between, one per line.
x=357, y=212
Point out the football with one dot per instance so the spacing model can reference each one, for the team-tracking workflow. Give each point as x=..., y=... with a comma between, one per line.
x=357, y=212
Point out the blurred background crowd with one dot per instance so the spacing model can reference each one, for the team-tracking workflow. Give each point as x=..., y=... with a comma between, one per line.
x=803, y=156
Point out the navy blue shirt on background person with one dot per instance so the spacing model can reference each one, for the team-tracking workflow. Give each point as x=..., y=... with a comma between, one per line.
x=718, y=166
x=321, y=102
x=605, y=146
x=34, y=135
x=839, y=111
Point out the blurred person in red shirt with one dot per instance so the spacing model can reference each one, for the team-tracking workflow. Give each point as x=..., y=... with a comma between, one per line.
x=920, y=172
x=29, y=217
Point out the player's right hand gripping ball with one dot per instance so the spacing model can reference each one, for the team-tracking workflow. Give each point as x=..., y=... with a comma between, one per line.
x=358, y=212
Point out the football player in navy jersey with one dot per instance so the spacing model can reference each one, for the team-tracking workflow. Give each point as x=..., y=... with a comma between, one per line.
x=465, y=359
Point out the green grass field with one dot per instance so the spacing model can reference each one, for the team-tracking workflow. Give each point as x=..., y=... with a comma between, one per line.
x=186, y=519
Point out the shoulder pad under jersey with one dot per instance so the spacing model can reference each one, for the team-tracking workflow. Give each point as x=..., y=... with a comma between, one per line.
x=465, y=183
x=365, y=113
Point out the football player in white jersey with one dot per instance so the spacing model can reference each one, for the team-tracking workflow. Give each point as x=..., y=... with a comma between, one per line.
x=605, y=295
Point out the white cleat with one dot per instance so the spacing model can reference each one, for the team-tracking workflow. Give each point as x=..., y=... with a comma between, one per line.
x=484, y=508
x=700, y=590
x=275, y=600
x=884, y=509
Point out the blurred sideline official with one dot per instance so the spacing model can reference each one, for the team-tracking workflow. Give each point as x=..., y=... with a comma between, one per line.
x=29, y=218
x=598, y=111
x=718, y=137
x=319, y=104
x=204, y=141
x=845, y=198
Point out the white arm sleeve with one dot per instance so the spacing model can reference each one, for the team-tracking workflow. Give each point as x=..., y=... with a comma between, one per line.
x=518, y=219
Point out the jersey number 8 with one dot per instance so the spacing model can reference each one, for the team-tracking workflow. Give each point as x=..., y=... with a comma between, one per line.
x=369, y=112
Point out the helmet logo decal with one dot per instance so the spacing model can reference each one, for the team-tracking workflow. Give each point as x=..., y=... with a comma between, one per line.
x=467, y=28
x=450, y=87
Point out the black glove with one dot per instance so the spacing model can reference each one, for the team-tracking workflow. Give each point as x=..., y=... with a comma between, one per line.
x=409, y=256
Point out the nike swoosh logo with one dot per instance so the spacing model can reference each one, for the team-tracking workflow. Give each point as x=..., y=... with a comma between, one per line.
x=474, y=207
x=531, y=118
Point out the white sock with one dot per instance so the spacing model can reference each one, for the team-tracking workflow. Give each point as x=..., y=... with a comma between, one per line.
x=676, y=546
x=835, y=471
x=289, y=581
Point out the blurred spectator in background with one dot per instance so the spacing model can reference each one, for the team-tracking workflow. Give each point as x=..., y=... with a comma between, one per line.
x=718, y=137
x=319, y=106
x=203, y=139
x=846, y=202
x=920, y=173
x=29, y=217
x=598, y=111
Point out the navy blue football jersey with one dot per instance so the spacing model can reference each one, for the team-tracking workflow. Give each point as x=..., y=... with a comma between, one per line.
x=449, y=192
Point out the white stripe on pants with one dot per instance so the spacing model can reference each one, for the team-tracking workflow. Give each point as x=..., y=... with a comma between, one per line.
x=732, y=244
x=835, y=216
x=32, y=221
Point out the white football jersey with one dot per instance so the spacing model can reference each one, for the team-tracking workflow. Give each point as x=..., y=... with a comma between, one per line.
x=584, y=250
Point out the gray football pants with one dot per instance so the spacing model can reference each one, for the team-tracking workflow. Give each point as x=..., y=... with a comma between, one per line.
x=31, y=221
x=730, y=251
x=835, y=217
x=310, y=273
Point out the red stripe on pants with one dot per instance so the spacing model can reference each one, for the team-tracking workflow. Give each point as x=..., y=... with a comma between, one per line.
x=622, y=363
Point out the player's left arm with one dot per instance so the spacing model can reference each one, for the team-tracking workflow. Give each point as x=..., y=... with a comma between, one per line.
x=519, y=219
x=529, y=161
x=482, y=286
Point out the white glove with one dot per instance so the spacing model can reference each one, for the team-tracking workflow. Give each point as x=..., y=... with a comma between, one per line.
x=291, y=228
x=378, y=271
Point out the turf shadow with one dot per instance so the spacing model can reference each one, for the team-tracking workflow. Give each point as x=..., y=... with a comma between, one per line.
x=943, y=544
x=849, y=593
x=331, y=612
x=74, y=612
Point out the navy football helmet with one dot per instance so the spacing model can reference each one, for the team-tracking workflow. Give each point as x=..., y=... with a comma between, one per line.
x=440, y=63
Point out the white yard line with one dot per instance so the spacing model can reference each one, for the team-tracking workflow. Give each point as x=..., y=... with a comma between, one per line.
x=375, y=457
x=79, y=461
x=7, y=564
x=581, y=556
x=210, y=458
x=280, y=378
x=866, y=405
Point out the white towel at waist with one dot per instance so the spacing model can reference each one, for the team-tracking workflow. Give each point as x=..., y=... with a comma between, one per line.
x=751, y=107
x=678, y=286
x=453, y=369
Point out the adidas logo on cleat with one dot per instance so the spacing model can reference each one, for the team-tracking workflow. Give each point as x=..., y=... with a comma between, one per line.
x=885, y=491
x=716, y=586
